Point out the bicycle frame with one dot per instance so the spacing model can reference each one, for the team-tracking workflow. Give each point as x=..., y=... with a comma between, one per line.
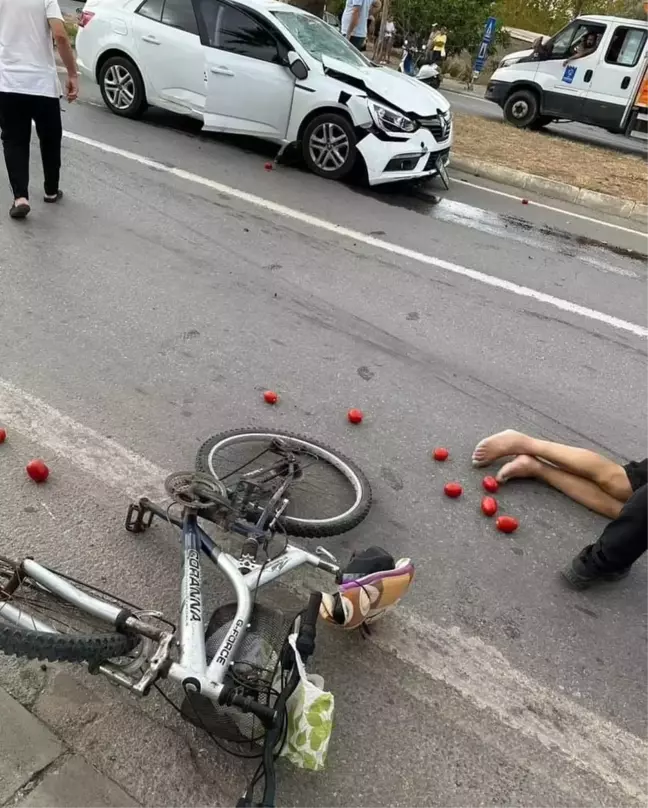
x=192, y=670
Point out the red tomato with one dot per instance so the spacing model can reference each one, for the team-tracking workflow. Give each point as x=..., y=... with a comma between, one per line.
x=355, y=416
x=270, y=397
x=452, y=490
x=440, y=454
x=490, y=484
x=507, y=524
x=3, y=435
x=525, y=201
x=37, y=470
x=268, y=166
x=489, y=506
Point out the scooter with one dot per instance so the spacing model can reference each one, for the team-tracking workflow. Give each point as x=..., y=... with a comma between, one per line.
x=413, y=63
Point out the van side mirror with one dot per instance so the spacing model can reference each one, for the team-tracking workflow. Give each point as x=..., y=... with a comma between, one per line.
x=297, y=67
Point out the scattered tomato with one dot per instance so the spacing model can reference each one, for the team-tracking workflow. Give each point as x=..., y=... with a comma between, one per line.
x=507, y=524
x=268, y=166
x=270, y=397
x=37, y=470
x=452, y=490
x=489, y=506
x=525, y=201
x=3, y=435
x=355, y=416
x=440, y=454
x=490, y=484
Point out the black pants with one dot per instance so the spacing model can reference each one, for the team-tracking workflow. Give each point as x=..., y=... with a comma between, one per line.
x=17, y=111
x=624, y=539
x=358, y=42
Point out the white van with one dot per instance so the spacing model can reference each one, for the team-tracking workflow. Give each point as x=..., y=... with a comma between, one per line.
x=593, y=71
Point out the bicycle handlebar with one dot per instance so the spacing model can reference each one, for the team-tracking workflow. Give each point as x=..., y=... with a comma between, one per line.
x=306, y=636
x=267, y=715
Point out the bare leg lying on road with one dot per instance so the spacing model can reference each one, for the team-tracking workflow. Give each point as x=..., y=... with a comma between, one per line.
x=586, y=477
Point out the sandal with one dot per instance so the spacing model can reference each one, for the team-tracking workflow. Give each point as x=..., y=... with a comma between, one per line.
x=52, y=199
x=19, y=211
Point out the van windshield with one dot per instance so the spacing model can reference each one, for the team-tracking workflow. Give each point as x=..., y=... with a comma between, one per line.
x=319, y=39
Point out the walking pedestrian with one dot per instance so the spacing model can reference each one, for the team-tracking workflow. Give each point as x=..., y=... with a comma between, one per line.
x=30, y=91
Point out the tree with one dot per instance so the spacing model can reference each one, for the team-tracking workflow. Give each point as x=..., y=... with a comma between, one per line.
x=549, y=16
x=315, y=7
x=464, y=19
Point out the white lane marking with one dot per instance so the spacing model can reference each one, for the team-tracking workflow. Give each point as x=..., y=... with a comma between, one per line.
x=566, y=213
x=492, y=190
x=484, y=676
x=479, y=672
x=322, y=224
x=102, y=457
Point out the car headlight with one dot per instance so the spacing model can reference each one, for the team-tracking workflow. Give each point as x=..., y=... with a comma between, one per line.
x=508, y=62
x=390, y=121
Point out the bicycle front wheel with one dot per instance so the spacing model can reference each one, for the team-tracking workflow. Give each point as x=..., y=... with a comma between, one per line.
x=37, y=624
x=329, y=496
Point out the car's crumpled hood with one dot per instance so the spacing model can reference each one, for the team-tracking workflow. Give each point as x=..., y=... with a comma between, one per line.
x=382, y=83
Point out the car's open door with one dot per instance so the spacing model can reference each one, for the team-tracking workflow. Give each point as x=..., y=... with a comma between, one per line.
x=249, y=87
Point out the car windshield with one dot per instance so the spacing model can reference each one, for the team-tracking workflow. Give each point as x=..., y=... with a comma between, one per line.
x=319, y=39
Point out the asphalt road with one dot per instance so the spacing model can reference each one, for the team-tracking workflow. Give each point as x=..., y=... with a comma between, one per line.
x=473, y=103
x=152, y=306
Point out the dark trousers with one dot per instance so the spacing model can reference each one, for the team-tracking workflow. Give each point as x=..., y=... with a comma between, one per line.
x=17, y=111
x=625, y=538
x=358, y=42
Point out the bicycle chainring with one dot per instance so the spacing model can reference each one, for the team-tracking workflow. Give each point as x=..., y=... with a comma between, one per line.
x=195, y=490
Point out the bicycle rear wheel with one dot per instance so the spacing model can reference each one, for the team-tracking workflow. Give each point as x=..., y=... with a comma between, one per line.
x=51, y=628
x=331, y=496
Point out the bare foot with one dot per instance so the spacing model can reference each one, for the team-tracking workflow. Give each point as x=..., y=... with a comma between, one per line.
x=501, y=444
x=522, y=466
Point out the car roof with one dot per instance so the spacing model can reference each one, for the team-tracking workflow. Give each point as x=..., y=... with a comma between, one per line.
x=617, y=20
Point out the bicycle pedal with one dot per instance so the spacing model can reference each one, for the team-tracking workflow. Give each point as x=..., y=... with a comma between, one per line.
x=138, y=518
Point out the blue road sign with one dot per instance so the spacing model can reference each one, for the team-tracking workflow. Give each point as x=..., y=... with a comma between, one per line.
x=482, y=55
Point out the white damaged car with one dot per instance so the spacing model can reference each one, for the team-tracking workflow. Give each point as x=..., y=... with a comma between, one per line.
x=266, y=69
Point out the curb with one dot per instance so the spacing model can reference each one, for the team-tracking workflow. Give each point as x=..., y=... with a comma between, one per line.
x=604, y=203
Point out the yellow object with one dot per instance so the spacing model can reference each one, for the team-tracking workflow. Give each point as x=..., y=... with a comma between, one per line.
x=439, y=42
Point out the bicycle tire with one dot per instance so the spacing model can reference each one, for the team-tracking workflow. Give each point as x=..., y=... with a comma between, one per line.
x=31, y=644
x=298, y=526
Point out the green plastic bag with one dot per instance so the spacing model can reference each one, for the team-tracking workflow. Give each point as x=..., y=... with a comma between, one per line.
x=310, y=719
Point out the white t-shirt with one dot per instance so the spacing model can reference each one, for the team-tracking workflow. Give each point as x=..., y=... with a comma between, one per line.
x=27, y=63
x=390, y=29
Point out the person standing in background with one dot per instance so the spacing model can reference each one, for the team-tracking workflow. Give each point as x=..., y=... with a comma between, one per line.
x=390, y=33
x=438, y=40
x=30, y=91
x=354, y=22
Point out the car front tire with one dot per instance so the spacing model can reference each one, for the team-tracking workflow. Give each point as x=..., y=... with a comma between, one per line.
x=122, y=88
x=329, y=146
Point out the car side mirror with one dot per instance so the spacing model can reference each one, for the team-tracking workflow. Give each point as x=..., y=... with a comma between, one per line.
x=297, y=67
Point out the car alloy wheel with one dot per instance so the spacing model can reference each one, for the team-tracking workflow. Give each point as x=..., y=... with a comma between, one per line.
x=329, y=147
x=119, y=86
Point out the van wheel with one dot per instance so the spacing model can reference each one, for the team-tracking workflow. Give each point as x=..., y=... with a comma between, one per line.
x=521, y=108
x=329, y=146
x=122, y=88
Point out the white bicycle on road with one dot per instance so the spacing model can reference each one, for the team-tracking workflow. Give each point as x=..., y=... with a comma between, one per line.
x=261, y=485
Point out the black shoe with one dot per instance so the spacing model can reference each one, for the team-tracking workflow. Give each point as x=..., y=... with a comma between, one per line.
x=53, y=199
x=19, y=211
x=582, y=573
